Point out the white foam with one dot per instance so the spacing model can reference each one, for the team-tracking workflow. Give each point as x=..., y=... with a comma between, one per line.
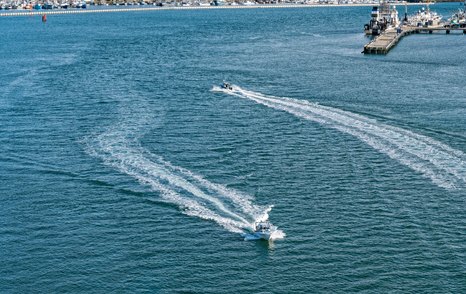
x=118, y=147
x=279, y=234
x=444, y=165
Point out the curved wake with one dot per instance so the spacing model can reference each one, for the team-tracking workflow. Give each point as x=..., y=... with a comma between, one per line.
x=443, y=165
x=197, y=196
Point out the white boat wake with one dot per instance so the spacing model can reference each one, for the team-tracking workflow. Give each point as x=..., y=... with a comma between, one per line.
x=196, y=196
x=443, y=165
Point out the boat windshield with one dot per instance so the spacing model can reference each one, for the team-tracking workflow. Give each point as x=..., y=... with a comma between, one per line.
x=262, y=226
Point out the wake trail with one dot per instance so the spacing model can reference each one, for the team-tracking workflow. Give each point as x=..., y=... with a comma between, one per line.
x=118, y=148
x=442, y=164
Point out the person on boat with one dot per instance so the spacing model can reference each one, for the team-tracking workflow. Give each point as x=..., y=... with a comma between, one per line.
x=227, y=86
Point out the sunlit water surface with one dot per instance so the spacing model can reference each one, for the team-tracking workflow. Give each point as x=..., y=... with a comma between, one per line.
x=124, y=168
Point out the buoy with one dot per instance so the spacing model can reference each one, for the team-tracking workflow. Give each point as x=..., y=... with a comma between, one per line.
x=44, y=18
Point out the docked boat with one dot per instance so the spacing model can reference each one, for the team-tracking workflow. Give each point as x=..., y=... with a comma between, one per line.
x=425, y=18
x=458, y=20
x=383, y=17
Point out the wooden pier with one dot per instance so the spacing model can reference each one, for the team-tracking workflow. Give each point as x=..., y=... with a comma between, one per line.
x=383, y=43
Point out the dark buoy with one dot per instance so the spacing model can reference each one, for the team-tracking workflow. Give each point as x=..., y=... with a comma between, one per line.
x=44, y=18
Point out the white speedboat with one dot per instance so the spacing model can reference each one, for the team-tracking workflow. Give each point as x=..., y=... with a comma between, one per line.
x=264, y=230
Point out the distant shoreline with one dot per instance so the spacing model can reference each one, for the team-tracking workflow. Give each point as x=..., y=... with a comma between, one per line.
x=132, y=9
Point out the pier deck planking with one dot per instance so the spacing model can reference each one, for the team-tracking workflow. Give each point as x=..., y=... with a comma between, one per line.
x=383, y=43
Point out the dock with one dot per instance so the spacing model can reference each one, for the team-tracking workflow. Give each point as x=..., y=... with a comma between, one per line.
x=384, y=42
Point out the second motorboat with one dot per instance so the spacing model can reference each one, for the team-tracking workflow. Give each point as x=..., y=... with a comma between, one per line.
x=227, y=86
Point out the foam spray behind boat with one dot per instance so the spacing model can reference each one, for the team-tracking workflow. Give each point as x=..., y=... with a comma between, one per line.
x=442, y=164
x=118, y=146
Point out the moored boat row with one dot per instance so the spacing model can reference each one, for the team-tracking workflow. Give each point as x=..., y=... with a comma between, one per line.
x=385, y=16
x=388, y=31
x=41, y=6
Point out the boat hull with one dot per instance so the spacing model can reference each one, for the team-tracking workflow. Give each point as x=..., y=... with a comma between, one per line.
x=265, y=235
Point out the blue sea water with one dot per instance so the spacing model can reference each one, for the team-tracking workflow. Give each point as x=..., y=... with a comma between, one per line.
x=123, y=169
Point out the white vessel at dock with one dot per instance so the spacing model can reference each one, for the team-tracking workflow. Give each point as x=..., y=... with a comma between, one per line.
x=425, y=18
x=459, y=18
x=383, y=17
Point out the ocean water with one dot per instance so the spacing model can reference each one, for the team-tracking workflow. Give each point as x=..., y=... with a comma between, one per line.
x=124, y=168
